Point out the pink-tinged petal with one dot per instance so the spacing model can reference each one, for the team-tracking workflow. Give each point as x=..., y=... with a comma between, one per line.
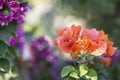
x=101, y=50
x=92, y=34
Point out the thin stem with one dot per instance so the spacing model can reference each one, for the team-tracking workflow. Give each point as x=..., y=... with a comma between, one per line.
x=76, y=66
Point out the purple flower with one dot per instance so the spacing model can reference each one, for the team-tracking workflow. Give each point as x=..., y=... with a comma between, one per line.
x=24, y=7
x=12, y=42
x=40, y=48
x=15, y=11
x=2, y=2
x=43, y=59
x=2, y=22
x=52, y=58
x=116, y=57
x=54, y=74
x=20, y=38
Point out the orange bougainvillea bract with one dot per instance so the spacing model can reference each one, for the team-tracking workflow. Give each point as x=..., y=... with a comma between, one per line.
x=106, y=61
x=75, y=40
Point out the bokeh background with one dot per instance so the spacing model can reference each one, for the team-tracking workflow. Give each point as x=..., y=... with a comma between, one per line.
x=46, y=16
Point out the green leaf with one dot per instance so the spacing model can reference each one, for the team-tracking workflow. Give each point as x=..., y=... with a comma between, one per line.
x=14, y=69
x=92, y=74
x=3, y=48
x=12, y=27
x=12, y=51
x=4, y=35
x=74, y=75
x=66, y=70
x=5, y=31
x=83, y=70
x=4, y=65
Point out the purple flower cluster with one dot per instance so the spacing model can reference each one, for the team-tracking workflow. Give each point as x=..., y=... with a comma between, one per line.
x=43, y=58
x=12, y=10
x=40, y=48
x=16, y=11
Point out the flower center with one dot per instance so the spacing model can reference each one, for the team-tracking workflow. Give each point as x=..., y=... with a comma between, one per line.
x=5, y=10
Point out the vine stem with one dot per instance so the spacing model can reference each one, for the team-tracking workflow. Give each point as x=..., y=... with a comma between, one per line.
x=76, y=66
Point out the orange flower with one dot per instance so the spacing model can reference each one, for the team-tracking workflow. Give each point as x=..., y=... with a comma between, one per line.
x=67, y=38
x=95, y=47
x=110, y=49
x=72, y=40
x=98, y=42
x=65, y=42
x=92, y=47
x=60, y=32
x=76, y=31
x=81, y=45
x=101, y=48
x=76, y=48
x=102, y=36
x=85, y=44
x=106, y=61
x=91, y=35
